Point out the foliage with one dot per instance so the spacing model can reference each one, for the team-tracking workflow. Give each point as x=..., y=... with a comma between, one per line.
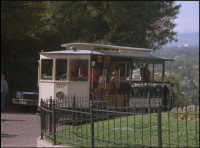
x=190, y=112
x=186, y=64
x=185, y=73
x=139, y=24
x=20, y=19
x=146, y=24
x=177, y=87
x=180, y=100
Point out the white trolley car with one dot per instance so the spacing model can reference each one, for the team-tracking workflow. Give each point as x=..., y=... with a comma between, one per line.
x=61, y=73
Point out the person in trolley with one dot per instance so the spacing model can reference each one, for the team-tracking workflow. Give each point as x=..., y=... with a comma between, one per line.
x=93, y=76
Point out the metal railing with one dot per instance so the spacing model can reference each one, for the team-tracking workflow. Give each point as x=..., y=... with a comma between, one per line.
x=99, y=124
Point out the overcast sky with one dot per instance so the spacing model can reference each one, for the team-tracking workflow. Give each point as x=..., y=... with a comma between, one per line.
x=188, y=17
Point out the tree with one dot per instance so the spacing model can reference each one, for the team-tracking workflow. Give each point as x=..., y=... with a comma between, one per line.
x=20, y=19
x=131, y=23
x=20, y=24
x=147, y=24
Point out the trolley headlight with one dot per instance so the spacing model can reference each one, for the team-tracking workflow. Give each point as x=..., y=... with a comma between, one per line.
x=18, y=94
x=60, y=95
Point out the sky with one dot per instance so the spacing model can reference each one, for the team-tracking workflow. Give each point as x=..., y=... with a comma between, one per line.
x=188, y=18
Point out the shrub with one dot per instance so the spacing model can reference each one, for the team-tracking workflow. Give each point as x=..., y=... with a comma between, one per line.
x=191, y=112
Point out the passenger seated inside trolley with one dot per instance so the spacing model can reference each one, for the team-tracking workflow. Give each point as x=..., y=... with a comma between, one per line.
x=145, y=74
x=77, y=67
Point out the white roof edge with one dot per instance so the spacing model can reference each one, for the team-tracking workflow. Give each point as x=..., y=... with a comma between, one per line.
x=92, y=46
x=72, y=52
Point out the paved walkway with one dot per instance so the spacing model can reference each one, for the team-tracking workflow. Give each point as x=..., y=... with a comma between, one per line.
x=19, y=129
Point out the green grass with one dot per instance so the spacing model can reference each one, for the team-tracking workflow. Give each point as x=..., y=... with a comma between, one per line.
x=133, y=130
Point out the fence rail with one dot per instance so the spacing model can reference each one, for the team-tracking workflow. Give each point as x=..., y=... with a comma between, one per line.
x=97, y=123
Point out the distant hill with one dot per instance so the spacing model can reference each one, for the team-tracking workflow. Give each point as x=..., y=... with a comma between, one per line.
x=186, y=38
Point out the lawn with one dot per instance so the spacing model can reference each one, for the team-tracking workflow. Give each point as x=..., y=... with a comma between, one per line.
x=135, y=130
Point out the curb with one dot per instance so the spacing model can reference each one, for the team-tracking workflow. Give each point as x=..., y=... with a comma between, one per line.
x=44, y=143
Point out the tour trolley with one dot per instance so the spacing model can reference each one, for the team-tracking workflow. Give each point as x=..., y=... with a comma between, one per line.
x=119, y=70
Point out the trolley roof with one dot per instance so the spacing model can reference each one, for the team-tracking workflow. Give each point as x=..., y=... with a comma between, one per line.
x=107, y=50
x=90, y=46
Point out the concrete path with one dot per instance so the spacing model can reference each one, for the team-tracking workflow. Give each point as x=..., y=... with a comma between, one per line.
x=19, y=129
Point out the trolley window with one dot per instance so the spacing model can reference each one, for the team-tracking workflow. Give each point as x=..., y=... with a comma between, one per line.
x=61, y=70
x=46, y=69
x=78, y=70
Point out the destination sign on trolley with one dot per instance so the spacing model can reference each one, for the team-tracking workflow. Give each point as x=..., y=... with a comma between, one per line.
x=134, y=53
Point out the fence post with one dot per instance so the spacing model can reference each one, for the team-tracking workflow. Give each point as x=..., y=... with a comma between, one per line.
x=127, y=101
x=51, y=114
x=116, y=101
x=107, y=105
x=159, y=126
x=92, y=124
x=73, y=108
x=41, y=116
x=54, y=123
x=149, y=102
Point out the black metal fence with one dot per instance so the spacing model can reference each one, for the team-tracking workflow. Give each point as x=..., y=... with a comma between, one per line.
x=121, y=121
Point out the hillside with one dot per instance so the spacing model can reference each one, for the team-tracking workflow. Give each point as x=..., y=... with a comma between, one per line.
x=192, y=39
